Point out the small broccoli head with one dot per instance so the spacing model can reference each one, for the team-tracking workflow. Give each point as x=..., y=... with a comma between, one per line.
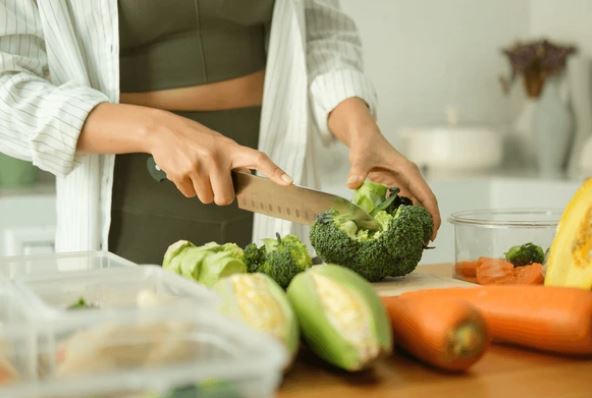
x=394, y=250
x=526, y=254
x=280, y=258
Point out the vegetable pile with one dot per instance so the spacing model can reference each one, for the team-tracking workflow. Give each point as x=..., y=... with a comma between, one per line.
x=394, y=250
x=523, y=265
x=280, y=258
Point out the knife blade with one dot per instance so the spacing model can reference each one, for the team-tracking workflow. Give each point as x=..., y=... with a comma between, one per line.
x=292, y=203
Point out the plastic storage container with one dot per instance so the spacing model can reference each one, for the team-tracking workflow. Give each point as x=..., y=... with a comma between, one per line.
x=116, y=288
x=491, y=232
x=20, y=266
x=156, y=353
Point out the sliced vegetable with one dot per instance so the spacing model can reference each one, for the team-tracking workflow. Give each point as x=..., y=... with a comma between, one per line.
x=529, y=275
x=494, y=271
x=466, y=268
x=8, y=373
x=205, y=264
x=341, y=316
x=525, y=254
x=554, y=319
x=570, y=258
x=447, y=333
x=257, y=300
x=81, y=304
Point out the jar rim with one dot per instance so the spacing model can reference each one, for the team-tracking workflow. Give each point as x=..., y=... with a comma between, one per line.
x=508, y=217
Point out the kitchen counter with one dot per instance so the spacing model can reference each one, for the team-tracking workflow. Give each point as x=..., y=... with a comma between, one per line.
x=504, y=372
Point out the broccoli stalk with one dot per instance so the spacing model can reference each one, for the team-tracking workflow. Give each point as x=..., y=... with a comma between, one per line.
x=525, y=254
x=394, y=250
x=280, y=258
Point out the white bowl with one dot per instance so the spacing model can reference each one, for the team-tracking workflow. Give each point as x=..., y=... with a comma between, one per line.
x=453, y=148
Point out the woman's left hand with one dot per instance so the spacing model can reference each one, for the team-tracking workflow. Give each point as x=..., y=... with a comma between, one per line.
x=372, y=156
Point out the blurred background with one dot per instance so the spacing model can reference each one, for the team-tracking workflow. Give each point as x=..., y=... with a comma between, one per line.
x=488, y=128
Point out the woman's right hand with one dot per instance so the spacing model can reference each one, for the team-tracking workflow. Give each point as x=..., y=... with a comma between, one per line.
x=199, y=160
x=196, y=159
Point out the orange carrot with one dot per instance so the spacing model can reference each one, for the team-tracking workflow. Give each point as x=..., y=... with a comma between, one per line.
x=449, y=334
x=466, y=268
x=529, y=274
x=555, y=319
x=7, y=372
x=494, y=271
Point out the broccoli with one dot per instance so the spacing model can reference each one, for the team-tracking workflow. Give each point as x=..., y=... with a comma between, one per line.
x=526, y=254
x=280, y=258
x=394, y=250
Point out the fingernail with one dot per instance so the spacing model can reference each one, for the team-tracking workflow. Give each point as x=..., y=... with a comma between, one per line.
x=353, y=179
x=287, y=179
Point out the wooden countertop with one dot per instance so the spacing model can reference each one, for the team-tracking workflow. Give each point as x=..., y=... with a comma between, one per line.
x=504, y=371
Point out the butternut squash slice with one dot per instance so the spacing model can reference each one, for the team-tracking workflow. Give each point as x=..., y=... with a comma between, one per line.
x=570, y=257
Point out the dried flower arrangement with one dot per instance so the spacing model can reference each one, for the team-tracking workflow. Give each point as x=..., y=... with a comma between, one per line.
x=535, y=61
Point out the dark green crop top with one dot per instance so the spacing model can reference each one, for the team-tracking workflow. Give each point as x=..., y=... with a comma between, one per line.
x=179, y=43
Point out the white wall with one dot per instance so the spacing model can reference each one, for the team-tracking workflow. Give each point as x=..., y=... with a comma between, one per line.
x=563, y=21
x=424, y=55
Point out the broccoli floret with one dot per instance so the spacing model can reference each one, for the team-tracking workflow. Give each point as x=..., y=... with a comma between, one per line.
x=526, y=254
x=394, y=250
x=280, y=258
x=369, y=195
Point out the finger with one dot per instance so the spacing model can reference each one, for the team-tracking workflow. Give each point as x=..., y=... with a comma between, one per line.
x=251, y=158
x=185, y=186
x=388, y=178
x=222, y=187
x=203, y=188
x=357, y=174
x=417, y=186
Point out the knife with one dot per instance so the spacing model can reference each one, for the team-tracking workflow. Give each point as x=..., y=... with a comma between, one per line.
x=293, y=203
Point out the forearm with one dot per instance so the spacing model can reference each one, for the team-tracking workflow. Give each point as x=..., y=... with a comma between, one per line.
x=351, y=121
x=117, y=128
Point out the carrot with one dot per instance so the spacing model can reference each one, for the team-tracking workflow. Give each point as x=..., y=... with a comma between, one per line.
x=7, y=372
x=466, y=268
x=529, y=274
x=449, y=334
x=494, y=271
x=554, y=319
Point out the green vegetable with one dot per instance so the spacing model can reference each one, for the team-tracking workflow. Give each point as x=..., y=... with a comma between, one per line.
x=205, y=389
x=280, y=258
x=81, y=304
x=205, y=264
x=341, y=316
x=526, y=254
x=394, y=250
x=261, y=303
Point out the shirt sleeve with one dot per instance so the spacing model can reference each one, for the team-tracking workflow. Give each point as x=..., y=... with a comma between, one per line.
x=334, y=62
x=39, y=121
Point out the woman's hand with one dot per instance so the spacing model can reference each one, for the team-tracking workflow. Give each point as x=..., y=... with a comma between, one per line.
x=196, y=159
x=372, y=156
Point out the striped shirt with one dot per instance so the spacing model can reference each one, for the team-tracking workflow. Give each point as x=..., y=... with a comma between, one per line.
x=60, y=58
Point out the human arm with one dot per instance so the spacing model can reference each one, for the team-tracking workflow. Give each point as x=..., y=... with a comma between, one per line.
x=196, y=159
x=344, y=105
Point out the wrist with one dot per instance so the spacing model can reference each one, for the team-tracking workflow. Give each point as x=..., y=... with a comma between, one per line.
x=152, y=127
x=351, y=121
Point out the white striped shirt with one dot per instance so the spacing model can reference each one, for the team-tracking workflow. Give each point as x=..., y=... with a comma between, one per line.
x=60, y=58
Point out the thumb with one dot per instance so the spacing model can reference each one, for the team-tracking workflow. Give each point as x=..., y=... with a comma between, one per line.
x=357, y=175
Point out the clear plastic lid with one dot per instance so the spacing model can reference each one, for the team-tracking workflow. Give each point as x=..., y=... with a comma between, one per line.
x=109, y=289
x=142, y=353
x=49, y=264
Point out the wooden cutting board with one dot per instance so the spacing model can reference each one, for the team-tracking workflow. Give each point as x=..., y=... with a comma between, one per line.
x=417, y=280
